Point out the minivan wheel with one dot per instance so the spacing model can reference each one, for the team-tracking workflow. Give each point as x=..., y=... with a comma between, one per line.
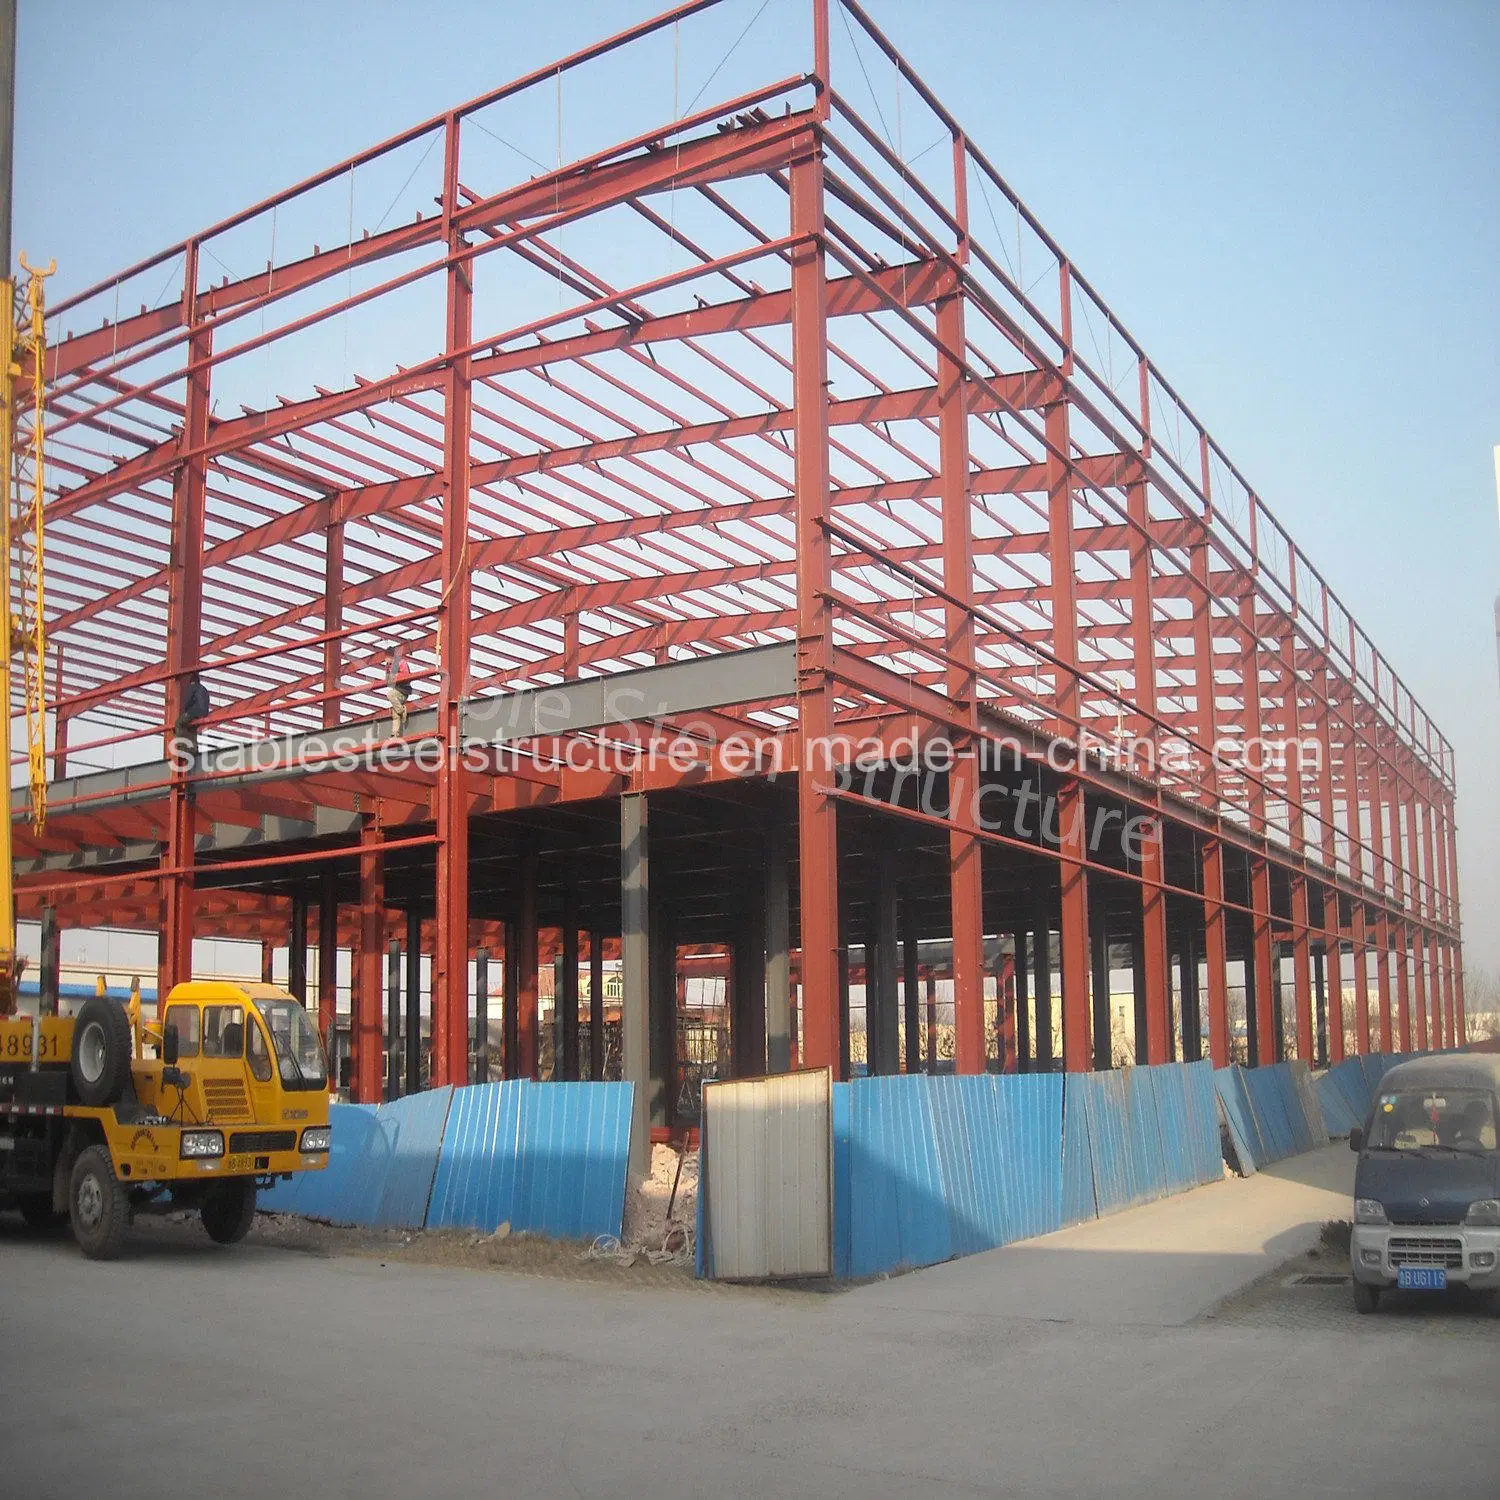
x=1366, y=1298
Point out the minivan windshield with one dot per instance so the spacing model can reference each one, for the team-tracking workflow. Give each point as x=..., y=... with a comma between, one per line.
x=299, y=1053
x=1433, y=1119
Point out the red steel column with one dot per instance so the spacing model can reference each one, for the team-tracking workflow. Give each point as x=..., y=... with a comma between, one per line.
x=1383, y=980
x=1403, y=987
x=1205, y=690
x=1439, y=1032
x=1154, y=949
x=1252, y=729
x=1419, y=977
x=450, y=988
x=965, y=873
x=1335, y=975
x=1302, y=969
x=1432, y=908
x=1155, y=953
x=1215, y=953
x=817, y=827
x=333, y=619
x=1073, y=927
x=1358, y=943
x=366, y=1030
x=184, y=630
x=1455, y=912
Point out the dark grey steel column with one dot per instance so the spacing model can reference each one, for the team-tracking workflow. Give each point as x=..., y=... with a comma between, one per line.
x=510, y=1014
x=49, y=970
x=481, y=1069
x=1253, y=1044
x=1192, y=1015
x=778, y=957
x=843, y=966
x=567, y=991
x=413, y=1000
x=1099, y=963
x=911, y=983
x=635, y=956
x=596, y=1006
x=393, y=1021
x=1043, y=954
x=296, y=964
x=1023, y=1002
x=1138, y=992
x=1320, y=990
x=886, y=1015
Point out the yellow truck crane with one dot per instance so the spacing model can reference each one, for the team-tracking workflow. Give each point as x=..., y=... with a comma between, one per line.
x=234, y=1095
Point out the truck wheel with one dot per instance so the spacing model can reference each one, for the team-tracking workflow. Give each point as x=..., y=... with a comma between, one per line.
x=102, y=1047
x=40, y=1216
x=97, y=1205
x=1366, y=1298
x=229, y=1210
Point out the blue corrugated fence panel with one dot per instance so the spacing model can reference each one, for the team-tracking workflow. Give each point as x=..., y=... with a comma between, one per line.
x=995, y=1159
x=842, y=1187
x=1143, y=1111
x=1078, y=1199
x=957, y=1107
x=1207, y=1152
x=1170, y=1083
x=898, y=1213
x=575, y=1152
x=411, y=1133
x=1337, y=1115
x=1032, y=1145
x=475, y=1186
x=1229, y=1084
x=1268, y=1102
x=1116, y=1179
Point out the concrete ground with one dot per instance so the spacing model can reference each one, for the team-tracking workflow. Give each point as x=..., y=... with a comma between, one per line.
x=1100, y=1361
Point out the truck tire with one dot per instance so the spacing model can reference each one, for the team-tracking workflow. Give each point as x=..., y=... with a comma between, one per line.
x=1366, y=1298
x=102, y=1048
x=229, y=1210
x=40, y=1216
x=97, y=1205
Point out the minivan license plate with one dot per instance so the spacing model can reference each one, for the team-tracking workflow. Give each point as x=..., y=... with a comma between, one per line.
x=1422, y=1278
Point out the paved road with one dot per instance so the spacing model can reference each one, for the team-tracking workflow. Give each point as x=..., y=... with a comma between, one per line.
x=267, y=1372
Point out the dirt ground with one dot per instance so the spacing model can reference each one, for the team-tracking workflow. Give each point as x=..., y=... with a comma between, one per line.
x=656, y=1251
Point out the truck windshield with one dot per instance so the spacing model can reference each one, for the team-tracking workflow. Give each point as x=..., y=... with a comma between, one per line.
x=299, y=1053
x=1427, y=1119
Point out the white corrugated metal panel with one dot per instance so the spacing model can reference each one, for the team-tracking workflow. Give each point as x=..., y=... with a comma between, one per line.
x=768, y=1146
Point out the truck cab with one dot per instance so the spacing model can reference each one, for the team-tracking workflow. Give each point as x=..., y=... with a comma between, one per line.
x=103, y=1116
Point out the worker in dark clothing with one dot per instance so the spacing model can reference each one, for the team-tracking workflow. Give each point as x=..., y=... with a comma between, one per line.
x=195, y=707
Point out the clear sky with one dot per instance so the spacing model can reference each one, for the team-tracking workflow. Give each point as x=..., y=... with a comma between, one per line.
x=1295, y=207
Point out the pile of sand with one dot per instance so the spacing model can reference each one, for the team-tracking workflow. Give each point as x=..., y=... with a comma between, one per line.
x=646, y=1221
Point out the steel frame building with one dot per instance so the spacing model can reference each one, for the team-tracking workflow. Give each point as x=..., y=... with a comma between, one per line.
x=836, y=581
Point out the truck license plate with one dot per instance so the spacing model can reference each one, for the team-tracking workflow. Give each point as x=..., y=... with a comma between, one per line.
x=239, y=1164
x=1422, y=1278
